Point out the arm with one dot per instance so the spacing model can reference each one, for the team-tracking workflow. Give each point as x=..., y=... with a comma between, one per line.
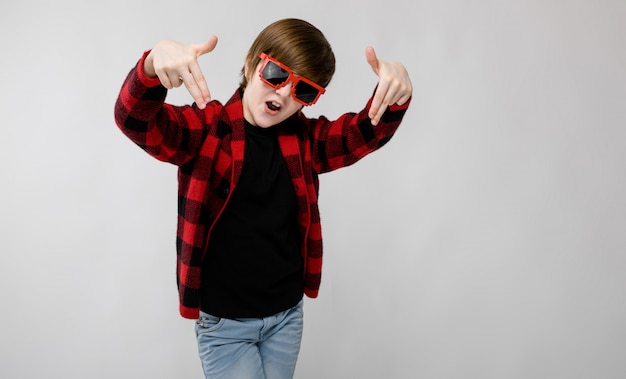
x=340, y=143
x=167, y=132
x=352, y=136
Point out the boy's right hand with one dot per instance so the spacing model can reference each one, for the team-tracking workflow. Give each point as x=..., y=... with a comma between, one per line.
x=175, y=63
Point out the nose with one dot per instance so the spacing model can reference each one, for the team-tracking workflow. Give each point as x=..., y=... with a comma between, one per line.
x=285, y=91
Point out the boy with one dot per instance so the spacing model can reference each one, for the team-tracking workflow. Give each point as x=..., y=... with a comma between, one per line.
x=249, y=240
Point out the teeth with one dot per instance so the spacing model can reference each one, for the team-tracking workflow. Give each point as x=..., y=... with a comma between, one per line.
x=275, y=104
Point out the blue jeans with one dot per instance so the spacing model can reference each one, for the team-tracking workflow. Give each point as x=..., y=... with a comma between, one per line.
x=250, y=348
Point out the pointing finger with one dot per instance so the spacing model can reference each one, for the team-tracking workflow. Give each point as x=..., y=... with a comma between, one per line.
x=379, y=105
x=195, y=81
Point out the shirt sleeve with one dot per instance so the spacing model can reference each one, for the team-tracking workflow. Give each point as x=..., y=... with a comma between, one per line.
x=342, y=142
x=169, y=133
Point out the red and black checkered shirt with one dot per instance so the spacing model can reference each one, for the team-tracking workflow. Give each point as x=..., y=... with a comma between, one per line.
x=208, y=148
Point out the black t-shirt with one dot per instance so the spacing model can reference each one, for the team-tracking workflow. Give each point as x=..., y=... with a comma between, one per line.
x=253, y=266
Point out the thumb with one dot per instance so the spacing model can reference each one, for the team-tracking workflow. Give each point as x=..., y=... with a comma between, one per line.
x=372, y=60
x=206, y=47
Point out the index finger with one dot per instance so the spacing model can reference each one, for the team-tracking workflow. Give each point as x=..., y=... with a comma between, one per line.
x=197, y=86
x=378, y=106
x=196, y=83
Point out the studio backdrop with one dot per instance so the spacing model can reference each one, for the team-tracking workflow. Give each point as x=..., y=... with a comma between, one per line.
x=486, y=240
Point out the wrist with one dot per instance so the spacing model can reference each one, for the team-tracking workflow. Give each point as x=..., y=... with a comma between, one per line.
x=148, y=66
x=147, y=80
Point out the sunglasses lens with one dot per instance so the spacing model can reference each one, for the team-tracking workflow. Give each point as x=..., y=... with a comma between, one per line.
x=305, y=92
x=273, y=74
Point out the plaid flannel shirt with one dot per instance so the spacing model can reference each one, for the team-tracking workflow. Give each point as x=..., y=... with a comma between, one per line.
x=208, y=148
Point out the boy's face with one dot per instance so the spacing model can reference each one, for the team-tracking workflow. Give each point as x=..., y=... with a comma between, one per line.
x=264, y=106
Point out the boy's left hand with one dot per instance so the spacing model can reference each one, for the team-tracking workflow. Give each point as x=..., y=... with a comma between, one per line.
x=394, y=85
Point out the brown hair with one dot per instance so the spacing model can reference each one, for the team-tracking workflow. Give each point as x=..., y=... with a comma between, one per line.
x=297, y=44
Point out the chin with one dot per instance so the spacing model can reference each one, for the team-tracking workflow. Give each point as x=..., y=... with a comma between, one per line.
x=264, y=123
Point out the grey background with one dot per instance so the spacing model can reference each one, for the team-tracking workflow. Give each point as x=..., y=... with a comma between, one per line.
x=486, y=240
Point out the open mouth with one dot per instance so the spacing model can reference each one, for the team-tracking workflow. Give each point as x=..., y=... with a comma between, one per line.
x=272, y=105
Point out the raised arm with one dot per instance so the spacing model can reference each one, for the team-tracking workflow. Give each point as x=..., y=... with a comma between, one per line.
x=167, y=132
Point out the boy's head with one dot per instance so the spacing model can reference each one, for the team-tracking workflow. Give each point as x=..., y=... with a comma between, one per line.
x=297, y=44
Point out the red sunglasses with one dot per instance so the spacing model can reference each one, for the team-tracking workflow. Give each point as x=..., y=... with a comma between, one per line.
x=276, y=75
